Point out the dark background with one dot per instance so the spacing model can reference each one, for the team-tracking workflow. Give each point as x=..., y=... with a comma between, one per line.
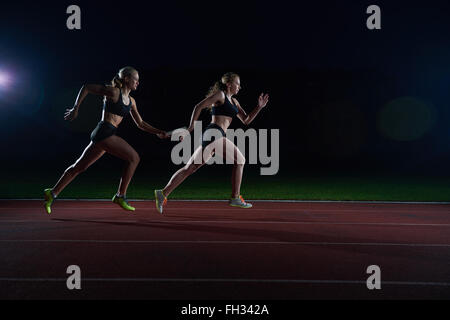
x=346, y=99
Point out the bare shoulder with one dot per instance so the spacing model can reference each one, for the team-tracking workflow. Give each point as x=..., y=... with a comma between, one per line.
x=219, y=96
x=111, y=92
x=111, y=89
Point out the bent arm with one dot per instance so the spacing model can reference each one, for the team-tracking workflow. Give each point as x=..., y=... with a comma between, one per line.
x=106, y=91
x=94, y=89
x=248, y=118
x=205, y=103
x=140, y=123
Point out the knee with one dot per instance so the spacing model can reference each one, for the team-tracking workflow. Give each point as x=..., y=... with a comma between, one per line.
x=134, y=159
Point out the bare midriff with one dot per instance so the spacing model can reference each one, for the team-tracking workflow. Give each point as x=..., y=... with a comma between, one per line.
x=222, y=121
x=112, y=118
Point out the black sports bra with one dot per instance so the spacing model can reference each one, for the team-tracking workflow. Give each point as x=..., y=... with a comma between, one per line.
x=119, y=108
x=227, y=109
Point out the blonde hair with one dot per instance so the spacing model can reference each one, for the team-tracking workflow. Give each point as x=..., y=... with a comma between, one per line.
x=222, y=84
x=117, y=81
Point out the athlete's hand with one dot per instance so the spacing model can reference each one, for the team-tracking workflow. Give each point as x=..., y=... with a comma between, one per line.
x=262, y=100
x=163, y=135
x=71, y=114
x=180, y=132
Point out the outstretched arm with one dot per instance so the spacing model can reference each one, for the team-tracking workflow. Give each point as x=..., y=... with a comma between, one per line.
x=141, y=124
x=205, y=103
x=97, y=89
x=248, y=118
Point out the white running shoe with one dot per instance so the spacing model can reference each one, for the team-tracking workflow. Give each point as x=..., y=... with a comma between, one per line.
x=240, y=202
x=161, y=200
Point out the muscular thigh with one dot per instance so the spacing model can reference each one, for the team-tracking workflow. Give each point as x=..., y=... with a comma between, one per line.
x=118, y=147
x=91, y=154
x=228, y=150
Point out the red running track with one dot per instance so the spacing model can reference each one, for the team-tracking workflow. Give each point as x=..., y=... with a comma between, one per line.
x=208, y=250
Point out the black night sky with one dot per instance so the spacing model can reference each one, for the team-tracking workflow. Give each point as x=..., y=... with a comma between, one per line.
x=344, y=97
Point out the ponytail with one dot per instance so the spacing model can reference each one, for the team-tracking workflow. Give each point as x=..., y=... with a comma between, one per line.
x=117, y=81
x=218, y=86
x=222, y=84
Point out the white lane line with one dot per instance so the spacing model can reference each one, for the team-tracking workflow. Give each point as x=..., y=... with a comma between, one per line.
x=31, y=221
x=289, y=281
x=62, y=220
x=32, y=211
x=307, y=243
x=256, y=200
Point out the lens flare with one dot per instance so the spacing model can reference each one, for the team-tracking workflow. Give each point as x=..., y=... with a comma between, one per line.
x=4, y=79
x=406, y=119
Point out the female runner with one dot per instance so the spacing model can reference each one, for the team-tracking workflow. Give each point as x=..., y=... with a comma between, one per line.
x=117, y=104
x=223, y=109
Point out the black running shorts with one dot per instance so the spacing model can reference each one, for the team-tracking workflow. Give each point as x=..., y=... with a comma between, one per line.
x=102, y=131
x=209, y=137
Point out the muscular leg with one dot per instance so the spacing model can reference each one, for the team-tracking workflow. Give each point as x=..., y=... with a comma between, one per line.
x=121, y=149
x=91, y=154
x=233, y=155
x=195, y=162
x=236, y=179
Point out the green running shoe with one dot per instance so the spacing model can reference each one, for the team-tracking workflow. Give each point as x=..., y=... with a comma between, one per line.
x=240, y=203
x=48, y=200
x=123, y=202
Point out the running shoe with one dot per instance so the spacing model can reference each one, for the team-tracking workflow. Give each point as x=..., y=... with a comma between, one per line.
x=123, y=202
x=161, y=200
x=48, y=200
x=240, y=202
